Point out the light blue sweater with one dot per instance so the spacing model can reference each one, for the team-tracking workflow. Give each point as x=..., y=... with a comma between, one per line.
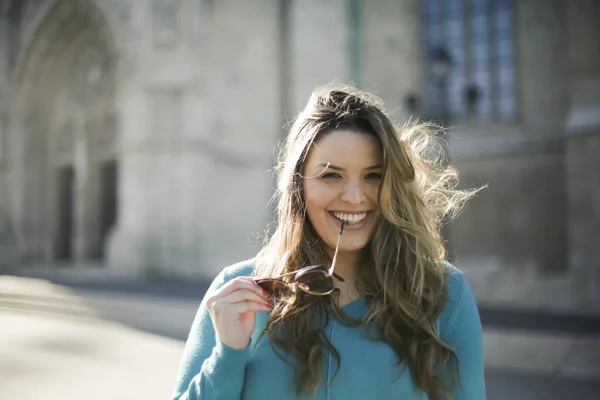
x=369, y=371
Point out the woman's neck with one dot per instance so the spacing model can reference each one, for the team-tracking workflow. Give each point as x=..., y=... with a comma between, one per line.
x=346, y=266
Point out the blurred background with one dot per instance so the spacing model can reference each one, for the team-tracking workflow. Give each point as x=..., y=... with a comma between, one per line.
x=137, y=140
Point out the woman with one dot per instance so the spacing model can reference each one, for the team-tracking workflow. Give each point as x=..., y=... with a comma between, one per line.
x=382, y=315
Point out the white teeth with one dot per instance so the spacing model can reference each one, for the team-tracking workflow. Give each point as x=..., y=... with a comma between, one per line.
x=350, y=218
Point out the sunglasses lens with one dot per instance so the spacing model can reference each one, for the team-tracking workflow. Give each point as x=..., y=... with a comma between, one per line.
x=316, y=281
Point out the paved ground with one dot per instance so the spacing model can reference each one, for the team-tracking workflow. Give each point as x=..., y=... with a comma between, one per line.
x=105, y=341
x=52, y=357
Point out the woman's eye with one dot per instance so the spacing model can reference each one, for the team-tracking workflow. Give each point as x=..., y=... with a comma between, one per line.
x=373, y=176
x=330, y=175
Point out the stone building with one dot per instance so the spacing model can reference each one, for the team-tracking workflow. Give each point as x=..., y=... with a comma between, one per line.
x=140, y=134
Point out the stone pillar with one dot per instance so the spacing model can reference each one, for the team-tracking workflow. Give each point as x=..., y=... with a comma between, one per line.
x=582, y=148
x=7, y=243
x=4, y=88
x=542, y=55
x=160, y=167
x=242, y=100
x=4, y=102
x=198, y=124
x=392, y=52
x=81, y=164
x=541, y=44
x=320, y=47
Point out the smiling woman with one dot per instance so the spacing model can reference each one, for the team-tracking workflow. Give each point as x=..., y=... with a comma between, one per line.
x=351, y=296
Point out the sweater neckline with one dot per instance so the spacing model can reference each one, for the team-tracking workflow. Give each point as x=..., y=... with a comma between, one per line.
x=356, y=307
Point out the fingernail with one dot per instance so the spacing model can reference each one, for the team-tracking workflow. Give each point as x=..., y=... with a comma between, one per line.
x=265, y=292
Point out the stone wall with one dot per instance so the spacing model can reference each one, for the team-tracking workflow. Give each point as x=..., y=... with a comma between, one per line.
x=204, y=88
x=530, y=239
x=518, y=220
x=582, y=148
x=392, y=57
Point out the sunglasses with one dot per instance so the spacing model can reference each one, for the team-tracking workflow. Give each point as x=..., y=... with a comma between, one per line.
x=315, y=279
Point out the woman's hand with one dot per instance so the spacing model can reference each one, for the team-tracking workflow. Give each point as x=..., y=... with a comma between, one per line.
x=233, y=310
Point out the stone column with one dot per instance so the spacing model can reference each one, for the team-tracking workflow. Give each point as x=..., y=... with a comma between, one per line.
x=242, y=100
x=81, y=192
x=157, y=231
x=198, y=125
x=320, y=47
x=7, y=245
x=542, y=55
x=541, y=44
x=392, y=52
x=4, y=102
x=4, y=88
x=582, y=149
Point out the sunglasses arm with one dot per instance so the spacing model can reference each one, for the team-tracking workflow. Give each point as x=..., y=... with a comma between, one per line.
x=338, y=277
x=333, y=262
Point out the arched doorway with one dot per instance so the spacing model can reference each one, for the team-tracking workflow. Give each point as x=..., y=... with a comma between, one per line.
x=67, y=163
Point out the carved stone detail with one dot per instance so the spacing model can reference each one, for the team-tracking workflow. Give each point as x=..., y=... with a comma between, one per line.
x=166, y=22
x=124, y=9
x=105, y=140
x=90, y=80
x=63, y=151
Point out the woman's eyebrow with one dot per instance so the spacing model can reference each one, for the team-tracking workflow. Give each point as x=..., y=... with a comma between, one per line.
x=329, y=165
x=336, y=168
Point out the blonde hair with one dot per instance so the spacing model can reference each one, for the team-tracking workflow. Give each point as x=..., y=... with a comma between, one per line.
x=400, y=272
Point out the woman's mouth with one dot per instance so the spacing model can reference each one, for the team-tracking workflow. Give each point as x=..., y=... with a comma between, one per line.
x=349, y=219
x=352, y=221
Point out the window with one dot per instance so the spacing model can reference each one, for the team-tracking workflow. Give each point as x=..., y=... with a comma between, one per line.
x=470, y=60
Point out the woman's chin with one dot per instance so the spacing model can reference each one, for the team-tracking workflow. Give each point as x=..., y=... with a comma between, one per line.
x=352, y=246
x=352, y=241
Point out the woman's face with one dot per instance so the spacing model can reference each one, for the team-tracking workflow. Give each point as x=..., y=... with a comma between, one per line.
x=341, y=182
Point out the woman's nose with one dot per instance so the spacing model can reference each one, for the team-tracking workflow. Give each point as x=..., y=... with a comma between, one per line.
x=353, y=193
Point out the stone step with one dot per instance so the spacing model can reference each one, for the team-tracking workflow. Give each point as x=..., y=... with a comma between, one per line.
x=564, y=355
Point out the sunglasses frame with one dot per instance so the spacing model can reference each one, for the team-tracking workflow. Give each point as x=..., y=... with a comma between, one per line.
x=297, y=284
x=328, y=274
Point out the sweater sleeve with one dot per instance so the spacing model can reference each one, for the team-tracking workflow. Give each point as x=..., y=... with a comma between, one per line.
x=461, y=330
x=209, y=369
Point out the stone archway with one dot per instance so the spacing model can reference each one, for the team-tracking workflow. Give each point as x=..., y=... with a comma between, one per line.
x=66, y=135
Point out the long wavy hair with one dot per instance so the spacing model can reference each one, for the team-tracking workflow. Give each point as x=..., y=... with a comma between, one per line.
x=401, y=271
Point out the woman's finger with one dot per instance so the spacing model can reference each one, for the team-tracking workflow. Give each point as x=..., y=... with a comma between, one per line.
x=238, y=284
x=245, y=306
x=244, y=295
